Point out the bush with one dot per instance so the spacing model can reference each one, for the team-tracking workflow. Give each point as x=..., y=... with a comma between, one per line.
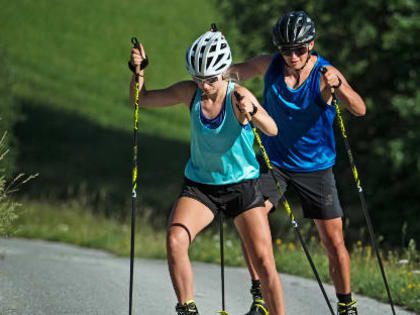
x=8, y=207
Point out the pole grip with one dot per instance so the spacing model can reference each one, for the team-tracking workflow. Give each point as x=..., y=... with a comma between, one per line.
x=145, y=61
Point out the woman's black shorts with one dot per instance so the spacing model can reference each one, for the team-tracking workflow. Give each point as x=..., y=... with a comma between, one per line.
x=232, y=199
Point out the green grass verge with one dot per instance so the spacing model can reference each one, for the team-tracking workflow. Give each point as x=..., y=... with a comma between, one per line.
x=72, y=224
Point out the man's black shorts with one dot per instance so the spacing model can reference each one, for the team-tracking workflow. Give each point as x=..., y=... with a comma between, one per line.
x=317, y=190
x=232, y=199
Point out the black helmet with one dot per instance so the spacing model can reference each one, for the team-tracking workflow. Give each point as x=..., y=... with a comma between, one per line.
x=293, y=29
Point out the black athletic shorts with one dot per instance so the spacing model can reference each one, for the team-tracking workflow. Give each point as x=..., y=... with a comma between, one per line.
x=317, y=190
x=232, y=199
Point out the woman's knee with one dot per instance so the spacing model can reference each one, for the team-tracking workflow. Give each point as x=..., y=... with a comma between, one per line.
x=178, y=239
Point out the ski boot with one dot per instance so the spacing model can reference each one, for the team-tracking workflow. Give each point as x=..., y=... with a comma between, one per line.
x=258, y=306
x=188, y=308
x=347, y=309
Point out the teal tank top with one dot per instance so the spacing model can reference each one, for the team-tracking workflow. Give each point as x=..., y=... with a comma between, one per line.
x=221, y=155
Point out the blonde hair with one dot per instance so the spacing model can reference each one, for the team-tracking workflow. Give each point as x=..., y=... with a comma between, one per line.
x=230, y=75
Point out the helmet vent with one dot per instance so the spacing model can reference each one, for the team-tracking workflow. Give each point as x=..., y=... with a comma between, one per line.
x=218, y=59
x=221, y=67
x=209, y=60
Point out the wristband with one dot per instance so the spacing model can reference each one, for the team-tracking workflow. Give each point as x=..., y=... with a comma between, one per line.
x=254, y=111
x=339, y=83
x=143, y=65
x=131, y=67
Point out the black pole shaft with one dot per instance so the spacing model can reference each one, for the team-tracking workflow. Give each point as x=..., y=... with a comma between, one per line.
x=362, y=200
x=133, y=214
x=134, y=186
x=222, y=259
x=133, y=218
x=136, y=44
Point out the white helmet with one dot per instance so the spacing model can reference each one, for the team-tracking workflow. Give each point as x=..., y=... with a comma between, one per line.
x=209, y=55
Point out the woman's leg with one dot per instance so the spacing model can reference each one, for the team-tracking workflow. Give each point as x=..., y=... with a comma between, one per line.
x=255, y=233
x=187, y=219
x=252, y=271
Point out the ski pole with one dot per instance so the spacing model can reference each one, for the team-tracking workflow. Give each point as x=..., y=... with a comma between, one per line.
x=222, y=264
x=288, y=209
x=340, y=122
x=136, y=44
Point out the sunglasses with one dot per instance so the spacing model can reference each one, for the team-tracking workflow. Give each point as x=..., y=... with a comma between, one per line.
x=208, y=80
x=299, y=50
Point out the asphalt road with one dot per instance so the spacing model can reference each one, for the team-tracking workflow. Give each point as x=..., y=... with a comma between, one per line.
x=38, y=277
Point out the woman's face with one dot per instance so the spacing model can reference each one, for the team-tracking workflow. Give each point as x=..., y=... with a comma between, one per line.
x=209, y=85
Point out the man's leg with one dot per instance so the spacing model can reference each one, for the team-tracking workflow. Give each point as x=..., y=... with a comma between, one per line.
x=318, y=194
x=255, y=234
x=331, y=234
x=188, y=218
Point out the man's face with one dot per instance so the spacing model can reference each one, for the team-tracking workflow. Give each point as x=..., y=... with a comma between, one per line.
x=296, y=56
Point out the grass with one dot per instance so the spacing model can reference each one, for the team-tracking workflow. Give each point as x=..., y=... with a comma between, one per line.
x=72, y=55
x=68, y=61
x=74, y=224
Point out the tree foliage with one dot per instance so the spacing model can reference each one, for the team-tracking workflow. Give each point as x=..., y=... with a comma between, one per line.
x=375, y=44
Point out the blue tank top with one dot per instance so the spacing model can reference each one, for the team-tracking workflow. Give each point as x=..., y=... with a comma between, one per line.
x=305, y=141
x=221, y=155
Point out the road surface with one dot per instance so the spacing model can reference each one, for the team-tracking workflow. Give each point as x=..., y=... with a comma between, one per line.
x=38, y=277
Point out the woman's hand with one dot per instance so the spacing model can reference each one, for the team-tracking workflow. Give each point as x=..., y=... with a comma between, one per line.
x=138, y=57
x=254, y=113
x=244, y=105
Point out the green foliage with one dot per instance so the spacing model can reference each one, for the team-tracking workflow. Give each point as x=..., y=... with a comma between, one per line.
x=375, y=45
x=8, y=213
x=8, y=207
x=9, y=115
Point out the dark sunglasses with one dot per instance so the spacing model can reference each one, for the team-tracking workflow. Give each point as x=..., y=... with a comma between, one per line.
x=209, y=80
x=299, y=51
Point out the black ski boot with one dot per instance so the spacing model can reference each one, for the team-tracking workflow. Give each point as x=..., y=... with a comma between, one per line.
x=188, y=308
x=258, y=306
x=347, y=309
